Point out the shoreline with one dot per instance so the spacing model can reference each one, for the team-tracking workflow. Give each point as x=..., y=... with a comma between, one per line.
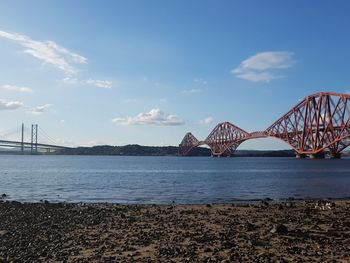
x=264, y=231
x=238, y=202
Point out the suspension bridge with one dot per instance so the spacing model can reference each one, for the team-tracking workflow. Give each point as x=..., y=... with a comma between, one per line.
x=32, y=146
x=317, y=125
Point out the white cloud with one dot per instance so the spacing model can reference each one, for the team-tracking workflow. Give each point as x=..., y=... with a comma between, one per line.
x=200, y=81
x=40, y=109
x=100, y=83
x=92, y=82
x=256, y=76
x=16, y=88
x=262, y=66
x=269, y=60
x=206, y=120
x=48, y=51
x=71, y=81
x=199, y=85
x=191, y=91
x=10, y=105
x=61, y=58
x=154, y=116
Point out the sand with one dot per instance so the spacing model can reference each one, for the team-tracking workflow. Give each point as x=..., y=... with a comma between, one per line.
x=293, y=231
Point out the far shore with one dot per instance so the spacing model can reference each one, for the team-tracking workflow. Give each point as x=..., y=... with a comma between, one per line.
x=261, y=231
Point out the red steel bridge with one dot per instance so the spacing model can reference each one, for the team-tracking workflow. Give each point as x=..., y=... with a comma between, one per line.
x=28, y=146
x=318, y=124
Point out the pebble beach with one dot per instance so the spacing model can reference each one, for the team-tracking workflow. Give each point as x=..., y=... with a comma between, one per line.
x=264, y=231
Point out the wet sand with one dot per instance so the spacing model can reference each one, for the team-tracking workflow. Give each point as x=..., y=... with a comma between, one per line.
x=295, y=231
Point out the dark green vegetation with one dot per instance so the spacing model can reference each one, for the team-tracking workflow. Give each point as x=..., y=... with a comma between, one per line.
x=132, y=150
x=138, y=150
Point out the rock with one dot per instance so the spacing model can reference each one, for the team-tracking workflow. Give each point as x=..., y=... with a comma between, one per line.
x=249, y=226
x=289, y=204
x=3, y=196
x=324, y=205
x=3, y=232
x=307, y=211
x=207, y=250
x=279, y=229
x=264, y=203
x=257, y=243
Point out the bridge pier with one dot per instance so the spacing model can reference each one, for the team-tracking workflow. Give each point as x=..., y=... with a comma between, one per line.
x=319, y=155
x=334, y=155
x=22, y=139
x=300, y=155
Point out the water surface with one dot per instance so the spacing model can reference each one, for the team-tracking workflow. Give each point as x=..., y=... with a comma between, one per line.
x=164, y=180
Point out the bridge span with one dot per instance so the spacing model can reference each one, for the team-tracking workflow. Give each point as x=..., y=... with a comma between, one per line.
x=33, y=146
x=318, y=124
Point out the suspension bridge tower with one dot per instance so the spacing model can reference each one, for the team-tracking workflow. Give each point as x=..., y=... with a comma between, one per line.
x=34, y=139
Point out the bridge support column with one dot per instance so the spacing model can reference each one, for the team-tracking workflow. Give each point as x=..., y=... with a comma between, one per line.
x=22, y=139
x=319, y=155
x=335, y=155
x=300, y=156
x=34, y=139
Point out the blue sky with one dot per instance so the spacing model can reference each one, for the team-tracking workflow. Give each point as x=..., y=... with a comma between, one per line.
x=146, y=72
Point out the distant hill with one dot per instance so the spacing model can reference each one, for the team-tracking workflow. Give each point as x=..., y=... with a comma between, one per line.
x=138, y=150
x=132, y=150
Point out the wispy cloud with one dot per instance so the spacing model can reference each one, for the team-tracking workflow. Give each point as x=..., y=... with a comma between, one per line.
x=191, y=91
x=91, y=82
x=10, y=105
x=40, y=109
x=201, y=81
x=16, y=88
x=100, y=83
x=154, y=116
x=262, y=66
x=198, y=86
x=206, y=120
x=48, y=52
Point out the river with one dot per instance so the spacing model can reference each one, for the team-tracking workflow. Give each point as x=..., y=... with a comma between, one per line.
x=166, y=180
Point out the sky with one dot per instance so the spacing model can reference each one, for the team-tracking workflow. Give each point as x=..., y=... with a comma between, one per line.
x=146, y=72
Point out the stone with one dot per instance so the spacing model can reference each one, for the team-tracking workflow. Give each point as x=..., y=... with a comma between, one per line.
x=279, y=229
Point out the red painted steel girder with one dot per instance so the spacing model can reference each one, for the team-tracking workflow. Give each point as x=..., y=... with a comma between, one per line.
x=225, y=138
x=257, y=134
x=188, y=143
x=319, y=122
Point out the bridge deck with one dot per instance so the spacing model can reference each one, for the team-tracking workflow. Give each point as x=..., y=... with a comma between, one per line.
x=7, y=143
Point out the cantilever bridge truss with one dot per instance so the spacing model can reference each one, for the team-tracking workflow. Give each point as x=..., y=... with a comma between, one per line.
x=317, y=124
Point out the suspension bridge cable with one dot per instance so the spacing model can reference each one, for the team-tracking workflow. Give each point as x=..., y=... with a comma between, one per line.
x=48, y=137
